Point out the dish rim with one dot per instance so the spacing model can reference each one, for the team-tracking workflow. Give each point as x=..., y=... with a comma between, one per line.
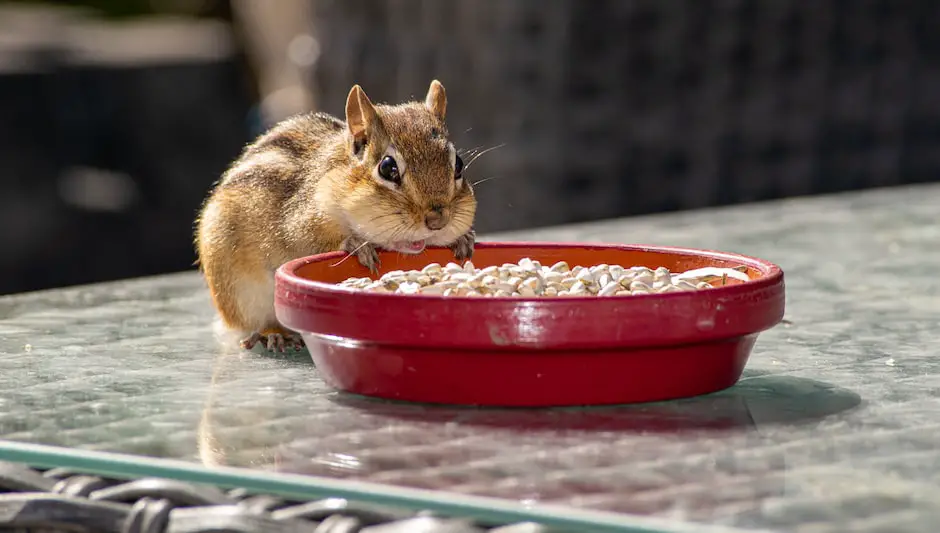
x=771, y=274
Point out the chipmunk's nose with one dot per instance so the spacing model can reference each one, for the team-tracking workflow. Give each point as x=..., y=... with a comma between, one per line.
x=434, y=219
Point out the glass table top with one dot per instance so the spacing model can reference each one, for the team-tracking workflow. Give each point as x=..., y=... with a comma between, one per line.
x=833, y=426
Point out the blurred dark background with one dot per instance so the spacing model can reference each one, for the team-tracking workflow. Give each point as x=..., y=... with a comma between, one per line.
x=117, y=116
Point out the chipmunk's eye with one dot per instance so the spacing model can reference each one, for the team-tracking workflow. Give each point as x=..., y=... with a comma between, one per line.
x=458, y=168
x=388, y=169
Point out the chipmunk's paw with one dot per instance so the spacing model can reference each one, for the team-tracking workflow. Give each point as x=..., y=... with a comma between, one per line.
x=282, y=342
x=274, y=340
x=364, y=251
x=463, y=246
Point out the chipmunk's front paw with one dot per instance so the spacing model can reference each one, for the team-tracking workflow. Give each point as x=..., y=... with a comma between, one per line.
x=364, y=251
x=463, y=246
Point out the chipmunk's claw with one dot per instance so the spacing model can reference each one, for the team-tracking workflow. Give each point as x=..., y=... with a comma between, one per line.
x=273, y=342
x=250, y=341
x=463, y=246
x=364, y=251
x=292, y=341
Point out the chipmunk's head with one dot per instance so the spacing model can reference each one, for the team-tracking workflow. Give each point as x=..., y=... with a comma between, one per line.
x=409, y=187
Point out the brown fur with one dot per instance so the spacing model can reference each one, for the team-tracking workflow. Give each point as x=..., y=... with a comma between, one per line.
x=301, y=189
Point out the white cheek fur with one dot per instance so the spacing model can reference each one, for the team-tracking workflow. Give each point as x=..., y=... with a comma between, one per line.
x=390, y=151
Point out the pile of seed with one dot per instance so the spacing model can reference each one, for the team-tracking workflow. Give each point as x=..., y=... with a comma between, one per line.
x=529, y=278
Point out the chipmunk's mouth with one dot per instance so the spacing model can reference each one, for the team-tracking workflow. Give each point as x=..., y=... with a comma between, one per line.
x=409, y=247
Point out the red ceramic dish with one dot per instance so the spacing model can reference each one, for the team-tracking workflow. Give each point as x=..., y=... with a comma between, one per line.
x=530, y=351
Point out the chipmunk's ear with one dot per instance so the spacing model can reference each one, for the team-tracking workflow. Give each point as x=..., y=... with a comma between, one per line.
x=436, y=100
x=360, y=116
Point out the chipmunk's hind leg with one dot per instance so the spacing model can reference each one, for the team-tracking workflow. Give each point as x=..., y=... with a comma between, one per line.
x=256, y=299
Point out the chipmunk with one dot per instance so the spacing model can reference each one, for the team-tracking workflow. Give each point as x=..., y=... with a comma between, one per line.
x=387, y=177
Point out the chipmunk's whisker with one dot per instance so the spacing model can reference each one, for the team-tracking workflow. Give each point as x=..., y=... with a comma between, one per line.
x=469, y=151
x=386, y=215
x=477, y=156
x=475, y=183
x=350, y=254
x=392, y=234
